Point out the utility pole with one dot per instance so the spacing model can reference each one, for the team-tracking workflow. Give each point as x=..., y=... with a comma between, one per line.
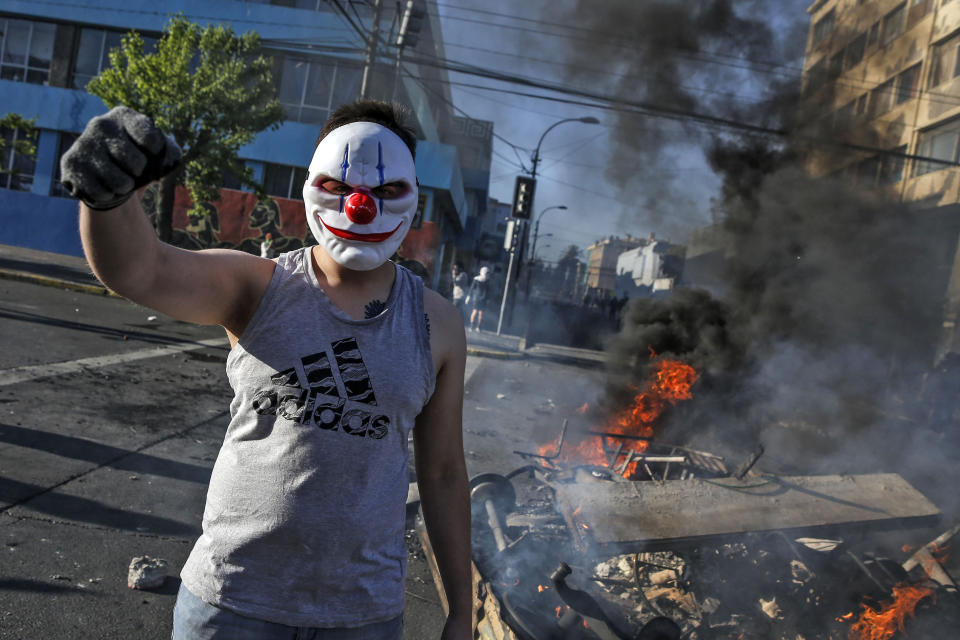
x=515, y=230
x=371, y=56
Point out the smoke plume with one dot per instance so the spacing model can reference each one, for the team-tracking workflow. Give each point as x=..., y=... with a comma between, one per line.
x=832, y=295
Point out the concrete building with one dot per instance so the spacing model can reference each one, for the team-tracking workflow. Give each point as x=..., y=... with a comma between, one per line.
x=602, y=262
x=654, y=266
x=885, y=74
x=49, y=51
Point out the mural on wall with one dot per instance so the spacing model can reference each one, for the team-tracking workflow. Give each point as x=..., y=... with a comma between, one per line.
x=239, y=221
x=236, y=221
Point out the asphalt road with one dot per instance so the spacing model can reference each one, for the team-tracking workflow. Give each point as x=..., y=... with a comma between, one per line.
x=110, y=419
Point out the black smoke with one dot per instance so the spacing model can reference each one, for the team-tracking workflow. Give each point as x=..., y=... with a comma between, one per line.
x=828, y=324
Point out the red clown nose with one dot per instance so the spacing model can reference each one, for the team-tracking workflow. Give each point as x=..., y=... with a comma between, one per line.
x=360, y=208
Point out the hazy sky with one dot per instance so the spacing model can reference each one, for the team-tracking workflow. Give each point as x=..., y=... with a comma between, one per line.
x=547, y=40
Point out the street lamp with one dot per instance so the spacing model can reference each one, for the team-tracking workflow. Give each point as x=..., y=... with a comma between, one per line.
x=536, y=152
x=536, y=230
x=526, y=232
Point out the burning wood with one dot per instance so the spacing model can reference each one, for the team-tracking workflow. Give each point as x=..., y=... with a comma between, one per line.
x=631, y=428
x=883, y=622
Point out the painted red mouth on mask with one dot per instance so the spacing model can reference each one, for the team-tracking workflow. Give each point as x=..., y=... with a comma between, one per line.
x=361, y=237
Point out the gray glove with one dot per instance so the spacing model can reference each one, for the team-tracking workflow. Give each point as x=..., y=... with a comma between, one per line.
x=118, y=153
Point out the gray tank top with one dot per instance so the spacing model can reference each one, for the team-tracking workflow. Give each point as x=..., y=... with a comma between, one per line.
x=304, y=519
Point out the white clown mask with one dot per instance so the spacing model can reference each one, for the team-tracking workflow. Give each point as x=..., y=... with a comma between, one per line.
x=361, y=194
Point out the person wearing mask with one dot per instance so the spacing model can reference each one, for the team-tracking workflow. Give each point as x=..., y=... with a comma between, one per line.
x=337, y=355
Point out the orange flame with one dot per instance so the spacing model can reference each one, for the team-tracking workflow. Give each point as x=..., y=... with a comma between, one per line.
x=542, y=587
x=883, y=623
x=669, y=384
x=940, y=554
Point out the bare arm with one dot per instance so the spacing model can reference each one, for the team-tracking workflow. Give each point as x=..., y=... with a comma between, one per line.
x=117, y=153
x=441, y=471
x=215, y=286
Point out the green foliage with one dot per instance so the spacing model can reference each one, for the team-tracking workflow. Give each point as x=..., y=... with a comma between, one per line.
x=209, y=89
x=24, y=145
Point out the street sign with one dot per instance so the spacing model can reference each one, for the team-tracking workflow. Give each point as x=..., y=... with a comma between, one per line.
x=508, y=238
x=523, y=197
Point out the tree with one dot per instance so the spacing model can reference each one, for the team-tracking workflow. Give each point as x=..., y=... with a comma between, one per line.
x=209, y=89
x=24, y=146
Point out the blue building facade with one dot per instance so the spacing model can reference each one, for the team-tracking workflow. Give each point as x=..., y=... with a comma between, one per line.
x=50, y=50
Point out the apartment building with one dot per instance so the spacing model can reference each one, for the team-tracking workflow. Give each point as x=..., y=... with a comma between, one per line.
x=50, y=50
x=602, y=259
x=882, y=77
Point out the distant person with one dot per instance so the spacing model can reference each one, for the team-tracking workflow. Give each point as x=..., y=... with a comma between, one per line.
x=458, y=293
x=477, y=297
x=266, y=247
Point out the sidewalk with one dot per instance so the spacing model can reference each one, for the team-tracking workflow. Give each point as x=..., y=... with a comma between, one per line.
x=71, y=272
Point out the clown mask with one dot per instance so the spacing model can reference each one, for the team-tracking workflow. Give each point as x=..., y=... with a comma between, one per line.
x=361, y=194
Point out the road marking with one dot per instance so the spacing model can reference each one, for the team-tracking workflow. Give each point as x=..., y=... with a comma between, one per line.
x=15, y=375
x=472, y=363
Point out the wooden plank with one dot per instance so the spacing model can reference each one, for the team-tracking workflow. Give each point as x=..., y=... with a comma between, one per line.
x=618, y=513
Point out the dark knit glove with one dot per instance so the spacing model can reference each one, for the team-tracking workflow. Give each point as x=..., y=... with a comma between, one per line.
x=118, y=153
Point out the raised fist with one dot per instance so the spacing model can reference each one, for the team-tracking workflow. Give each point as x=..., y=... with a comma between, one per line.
x=118, y=153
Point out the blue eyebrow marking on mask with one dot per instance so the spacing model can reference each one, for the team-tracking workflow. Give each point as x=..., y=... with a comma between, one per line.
x=343, y=174
x=380, y=169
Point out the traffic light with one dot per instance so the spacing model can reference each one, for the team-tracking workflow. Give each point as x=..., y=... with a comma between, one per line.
x=523, y=197
x=409, y=32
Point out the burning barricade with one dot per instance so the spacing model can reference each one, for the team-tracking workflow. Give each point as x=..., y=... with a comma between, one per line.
x=609, y=534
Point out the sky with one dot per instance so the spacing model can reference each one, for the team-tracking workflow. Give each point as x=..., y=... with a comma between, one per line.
x=547, y=40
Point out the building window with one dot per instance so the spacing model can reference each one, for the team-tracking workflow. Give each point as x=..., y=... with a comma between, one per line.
x=939, y=143
x=893, y=23
x=873, y=36
x=907, y=83
x=891, y=166
x=282, y=181
x=309, y=89
x=93, y=53
x=835, y=65
x=854, y=51
x=26, y=48
x=946, y=62
x=816, y=76
x=881, y=99
x=861, y=107
x=16, y=169
x=823, y=27
x=57, y=190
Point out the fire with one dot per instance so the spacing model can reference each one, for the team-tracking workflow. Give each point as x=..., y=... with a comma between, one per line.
x=940, y=554
x=542, y=587
x=883, y=623
x=669, y=384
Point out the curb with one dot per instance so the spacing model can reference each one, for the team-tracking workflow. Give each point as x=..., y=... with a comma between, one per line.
x=26, y=276
x=491, y=353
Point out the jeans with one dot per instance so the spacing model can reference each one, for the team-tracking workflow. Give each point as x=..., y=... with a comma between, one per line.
x=194, y=619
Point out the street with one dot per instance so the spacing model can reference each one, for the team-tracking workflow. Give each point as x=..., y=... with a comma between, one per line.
x=112, y=419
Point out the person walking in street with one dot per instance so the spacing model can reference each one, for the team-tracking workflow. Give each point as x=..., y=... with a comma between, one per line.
x=336, y=356
x=458, y=292
x=477, y=297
